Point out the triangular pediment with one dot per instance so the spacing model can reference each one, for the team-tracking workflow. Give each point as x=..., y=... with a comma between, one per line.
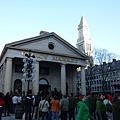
x=49, y=43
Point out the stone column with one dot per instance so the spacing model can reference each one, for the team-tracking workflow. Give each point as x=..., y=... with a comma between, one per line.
x=8, y=76
x=36, y=78
x=63, y=79
x=83, y=83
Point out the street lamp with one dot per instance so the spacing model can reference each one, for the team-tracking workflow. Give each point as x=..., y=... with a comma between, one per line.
x=28, y=68
x=78, y=88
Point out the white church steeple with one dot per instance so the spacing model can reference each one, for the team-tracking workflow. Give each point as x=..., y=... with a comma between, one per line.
x=84, y=42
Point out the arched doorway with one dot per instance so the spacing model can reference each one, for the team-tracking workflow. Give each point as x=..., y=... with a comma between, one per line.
x=17, y=86
x=44, y=84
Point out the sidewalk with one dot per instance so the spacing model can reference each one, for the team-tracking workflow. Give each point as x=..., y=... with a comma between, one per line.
x=11, y=117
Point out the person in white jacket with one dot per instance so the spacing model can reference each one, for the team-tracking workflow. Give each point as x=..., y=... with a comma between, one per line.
x=43, y=107
x=109, y=114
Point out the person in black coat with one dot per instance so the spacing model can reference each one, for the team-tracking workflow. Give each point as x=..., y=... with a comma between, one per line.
x=7, y=100
x=28, y=102
x=116, y=107
x=55, y=92
x=36, y=101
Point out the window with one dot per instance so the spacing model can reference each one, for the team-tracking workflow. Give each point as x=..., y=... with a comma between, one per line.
x=44, y=70
x=88, y=47
x=51, y=46
x=113, y=73
x=18, y=68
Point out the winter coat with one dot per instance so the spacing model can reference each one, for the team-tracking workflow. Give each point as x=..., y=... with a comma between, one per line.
x=100, y=107
x=55, y=105
x=72, y=102
x=64, y=104
x=2, y=102
x=116, y=110
x=36, y=100
x=7, y=100
x=92, y=102
x=83, y=111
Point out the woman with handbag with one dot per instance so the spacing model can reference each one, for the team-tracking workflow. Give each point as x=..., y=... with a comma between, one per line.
x=43, y=108
x=2, y=103
x=108, y=109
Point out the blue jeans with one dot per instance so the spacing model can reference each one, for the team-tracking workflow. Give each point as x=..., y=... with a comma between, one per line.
x=44, y=115
x=55, y=115
x=49, y=115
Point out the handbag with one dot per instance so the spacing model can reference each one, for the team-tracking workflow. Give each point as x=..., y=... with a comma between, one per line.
x=109, y=107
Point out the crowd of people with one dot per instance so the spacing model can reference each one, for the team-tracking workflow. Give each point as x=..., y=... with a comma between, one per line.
x=55, y=106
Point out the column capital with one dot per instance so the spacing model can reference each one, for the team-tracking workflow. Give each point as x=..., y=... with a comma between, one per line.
x=8, y=58
x=63, y=64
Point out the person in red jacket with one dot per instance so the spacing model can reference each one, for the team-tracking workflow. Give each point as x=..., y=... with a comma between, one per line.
x=2, y=103
x=109, y=97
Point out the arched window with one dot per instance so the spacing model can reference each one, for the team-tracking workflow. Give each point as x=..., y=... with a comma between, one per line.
x=43, y=81
x=17, y=86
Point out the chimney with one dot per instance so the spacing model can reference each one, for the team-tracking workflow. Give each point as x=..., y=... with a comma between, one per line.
x=43, y=32
x=114, y=60
x=104, y=63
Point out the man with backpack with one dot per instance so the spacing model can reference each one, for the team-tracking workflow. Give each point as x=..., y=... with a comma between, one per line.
x=28, y=103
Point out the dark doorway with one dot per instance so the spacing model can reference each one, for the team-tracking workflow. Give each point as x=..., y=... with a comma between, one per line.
x=44, y=85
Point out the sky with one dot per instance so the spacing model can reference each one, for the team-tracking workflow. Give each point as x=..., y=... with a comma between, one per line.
x=21, y=19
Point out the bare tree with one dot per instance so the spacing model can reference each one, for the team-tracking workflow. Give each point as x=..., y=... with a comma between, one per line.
x=103, y=55
x=103, y=59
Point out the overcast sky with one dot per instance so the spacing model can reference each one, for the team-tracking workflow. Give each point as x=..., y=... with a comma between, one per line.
x=20, y=19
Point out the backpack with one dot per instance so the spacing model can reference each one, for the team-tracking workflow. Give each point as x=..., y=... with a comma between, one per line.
x=108, y=107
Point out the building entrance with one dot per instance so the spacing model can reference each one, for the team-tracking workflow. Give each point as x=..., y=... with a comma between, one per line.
x=44, y=85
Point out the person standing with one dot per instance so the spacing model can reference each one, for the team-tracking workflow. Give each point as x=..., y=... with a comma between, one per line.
x=109, y=113
x=64, y=105
x=56, y=93
x=101, y=108
x=116, y=107
x=43, y=106
x=36, y=101
x=55, y=108
x=92, y=108
x=72, y=105
x=28, y=102
x=7, y=100
x=83, y=110
x=2, y=103
x=15, y=102
x=87, y=100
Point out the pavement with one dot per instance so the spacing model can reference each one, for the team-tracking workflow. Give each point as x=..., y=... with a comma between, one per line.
x=11, y=117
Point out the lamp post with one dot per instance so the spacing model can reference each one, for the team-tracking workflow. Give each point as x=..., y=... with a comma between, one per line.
x=78, y=88
x=28, y=68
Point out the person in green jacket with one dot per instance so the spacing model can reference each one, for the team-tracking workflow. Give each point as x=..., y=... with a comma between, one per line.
x=101, y=108
x=83, y=110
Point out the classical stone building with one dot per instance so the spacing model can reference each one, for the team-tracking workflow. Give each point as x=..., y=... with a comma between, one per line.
x=56, y=64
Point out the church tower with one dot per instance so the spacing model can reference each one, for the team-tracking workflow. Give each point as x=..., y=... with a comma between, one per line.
x=84, y=42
